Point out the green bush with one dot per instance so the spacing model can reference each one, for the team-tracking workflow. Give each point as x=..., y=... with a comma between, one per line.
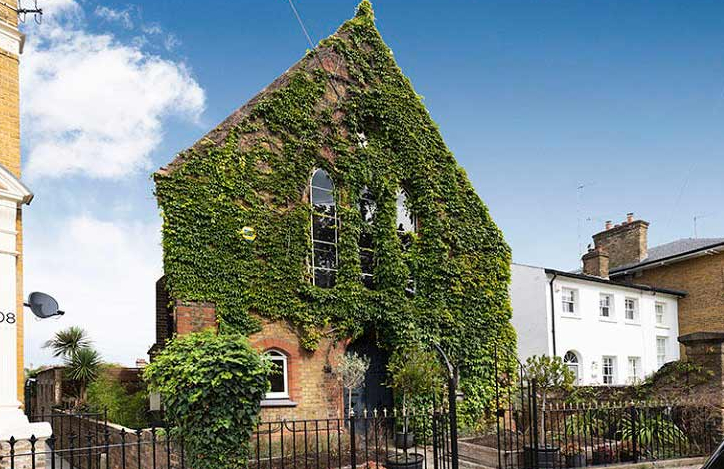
x=124, y=408
x=211, y=387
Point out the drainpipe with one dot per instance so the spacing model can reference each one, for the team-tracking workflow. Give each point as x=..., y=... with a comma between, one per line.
x=553, y=314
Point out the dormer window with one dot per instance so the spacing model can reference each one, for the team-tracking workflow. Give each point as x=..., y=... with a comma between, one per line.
x=324, y=230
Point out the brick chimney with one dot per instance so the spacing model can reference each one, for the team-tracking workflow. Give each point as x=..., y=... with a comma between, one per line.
x=595, y=262
x=625, y=243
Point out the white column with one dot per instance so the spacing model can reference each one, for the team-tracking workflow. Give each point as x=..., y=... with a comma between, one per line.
x=12, y=419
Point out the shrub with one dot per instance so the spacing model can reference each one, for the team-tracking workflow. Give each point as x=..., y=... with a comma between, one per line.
x=211, y=387
x=124, y=408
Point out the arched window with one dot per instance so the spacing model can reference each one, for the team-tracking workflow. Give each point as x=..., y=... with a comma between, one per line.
x=406, y=221
x=367, y=208
x=279, y=377
x=570, y=359
x=324, y=230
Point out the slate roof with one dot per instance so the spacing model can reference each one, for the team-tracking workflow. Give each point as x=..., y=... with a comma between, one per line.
x=673, y=249
x=634, y=286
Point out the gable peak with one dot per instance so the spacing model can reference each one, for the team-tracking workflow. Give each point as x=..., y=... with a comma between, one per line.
x=365, y=11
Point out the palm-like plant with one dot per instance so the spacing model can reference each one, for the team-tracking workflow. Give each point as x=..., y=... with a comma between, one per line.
x=83, y=367
x=653, y=432
x=67, y=342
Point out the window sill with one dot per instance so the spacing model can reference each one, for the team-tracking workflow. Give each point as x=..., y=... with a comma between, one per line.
x=570, y=316
x=633, y=323
x=278, y=403
x=662, y=326
x=612, y=320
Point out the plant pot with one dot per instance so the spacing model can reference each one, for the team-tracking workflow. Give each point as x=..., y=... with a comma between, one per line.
x=404, y=440
x=546, y=457
x=575, y=460
x=599, y=457
x=404, y=461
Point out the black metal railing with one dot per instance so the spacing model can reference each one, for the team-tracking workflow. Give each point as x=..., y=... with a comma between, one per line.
x=368, y=440
x=533, y=435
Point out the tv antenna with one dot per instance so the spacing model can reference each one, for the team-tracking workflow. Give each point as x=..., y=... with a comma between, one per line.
x=579, y=209
x=696, y=219
x=35, y=11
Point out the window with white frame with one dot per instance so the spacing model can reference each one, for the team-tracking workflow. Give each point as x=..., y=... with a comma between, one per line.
x=631, y=309
x=279, y=376
x=661, y=344
x=660, y=313
x=324, y=230
x=606, y=305
x=568, y=298
x=634, y=369
x=367, y=208
x=608, y=369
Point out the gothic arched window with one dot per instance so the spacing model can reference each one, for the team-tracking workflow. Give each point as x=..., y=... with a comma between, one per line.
x=324, y=230
x=367, y=208
x=406, y=220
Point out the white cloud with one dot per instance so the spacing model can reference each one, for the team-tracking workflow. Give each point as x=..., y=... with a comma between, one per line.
x=93, y=105
x=102, y=273
x=118, y=16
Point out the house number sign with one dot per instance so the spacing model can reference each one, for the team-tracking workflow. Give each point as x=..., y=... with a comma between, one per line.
x=7, y=318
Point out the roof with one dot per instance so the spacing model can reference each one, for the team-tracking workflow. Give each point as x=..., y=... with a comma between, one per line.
x=633, y=286
x=672, y=250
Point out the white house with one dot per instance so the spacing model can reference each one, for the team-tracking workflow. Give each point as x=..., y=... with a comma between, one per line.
x=608, y=333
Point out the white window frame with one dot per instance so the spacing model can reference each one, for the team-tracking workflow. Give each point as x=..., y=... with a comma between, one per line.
x=612, y=376
x=634, y=311
x=660, y=318
x=278, y=354
x=569, y=300
x=661, y=355
x=336, y=225
x=573, y=362
x=634, y=369
x=609, y=306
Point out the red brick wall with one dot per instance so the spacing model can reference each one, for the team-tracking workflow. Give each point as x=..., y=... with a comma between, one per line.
x=194, y=317
x=312, y=383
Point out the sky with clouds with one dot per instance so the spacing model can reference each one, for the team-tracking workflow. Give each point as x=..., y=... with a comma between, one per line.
x=564, y=114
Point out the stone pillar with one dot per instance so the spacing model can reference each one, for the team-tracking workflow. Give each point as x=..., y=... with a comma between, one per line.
x=706, y=349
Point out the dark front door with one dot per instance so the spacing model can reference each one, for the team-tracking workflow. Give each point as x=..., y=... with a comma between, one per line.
x=374, y=394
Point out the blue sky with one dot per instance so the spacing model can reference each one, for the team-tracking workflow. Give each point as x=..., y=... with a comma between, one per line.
x=534, y=99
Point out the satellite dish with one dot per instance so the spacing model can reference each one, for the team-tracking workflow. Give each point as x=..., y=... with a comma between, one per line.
x=43, y=305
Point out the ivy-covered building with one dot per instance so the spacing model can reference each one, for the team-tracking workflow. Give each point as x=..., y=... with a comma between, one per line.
x=325, y=215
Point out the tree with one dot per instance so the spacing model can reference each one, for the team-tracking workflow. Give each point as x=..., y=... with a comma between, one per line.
x=68, y=341
x=83, y=367
x=351, y=371
x=549, y=374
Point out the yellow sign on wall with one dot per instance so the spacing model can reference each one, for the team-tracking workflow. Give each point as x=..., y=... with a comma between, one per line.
x=248, y=233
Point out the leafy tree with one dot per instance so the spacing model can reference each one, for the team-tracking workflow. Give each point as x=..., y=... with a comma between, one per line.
x=211, y=387
x=549, y=374
x=351, y=371
x=124, y=408
x=83, y=367
x=68, y=341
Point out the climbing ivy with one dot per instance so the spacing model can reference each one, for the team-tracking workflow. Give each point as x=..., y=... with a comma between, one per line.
x=346, y=108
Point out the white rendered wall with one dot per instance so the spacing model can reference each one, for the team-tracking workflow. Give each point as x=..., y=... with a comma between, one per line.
x=586, y=333
x=528, y=294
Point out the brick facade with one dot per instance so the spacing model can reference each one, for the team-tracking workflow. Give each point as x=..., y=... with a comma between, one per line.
x=314, y=391
x=702, y=310
x=625, y=243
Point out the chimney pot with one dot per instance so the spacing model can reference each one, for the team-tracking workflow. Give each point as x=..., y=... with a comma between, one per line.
x=609, y=224
x=629, y=217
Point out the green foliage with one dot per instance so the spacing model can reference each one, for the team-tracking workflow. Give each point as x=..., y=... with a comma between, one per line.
x=124, y=408
x=351, y=371
x=257, y=175
x=68, y=341
x=549, y=373
x=653, y=432
x=211, y=386
x=415, y=371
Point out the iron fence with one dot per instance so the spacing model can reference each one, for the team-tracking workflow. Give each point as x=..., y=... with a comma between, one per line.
x=368, y=440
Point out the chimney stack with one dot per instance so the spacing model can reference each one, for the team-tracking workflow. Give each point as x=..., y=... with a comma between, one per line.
x=624, y=244
x=595, y=262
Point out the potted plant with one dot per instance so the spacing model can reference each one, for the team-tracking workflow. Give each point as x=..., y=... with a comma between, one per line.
x=602, y=454
x=575, y=455
x=547, y=374
x=351, y=371
x=413, y=372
